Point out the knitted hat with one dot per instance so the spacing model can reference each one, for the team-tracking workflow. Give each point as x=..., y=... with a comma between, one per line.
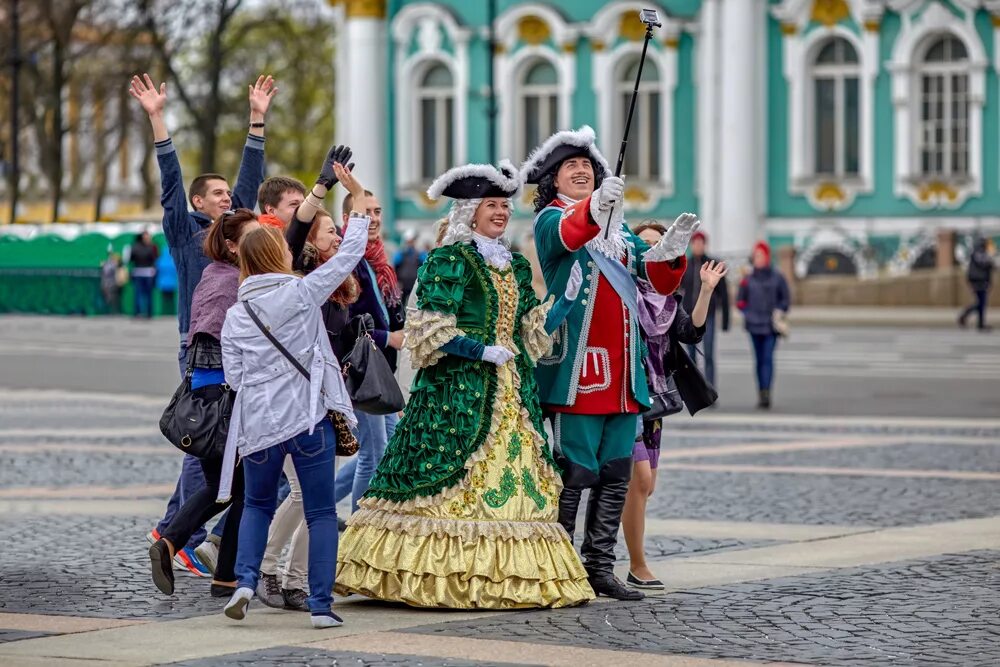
x=560, y=147
x=699, y=235
x=764, y=248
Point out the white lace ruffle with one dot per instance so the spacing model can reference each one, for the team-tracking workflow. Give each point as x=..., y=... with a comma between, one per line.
x=494, y=251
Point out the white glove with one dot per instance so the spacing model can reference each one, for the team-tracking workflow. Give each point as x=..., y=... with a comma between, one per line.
x=675, y=241
x=610, y=193
x=497, y=354
x=607, y=201
x=574, y=282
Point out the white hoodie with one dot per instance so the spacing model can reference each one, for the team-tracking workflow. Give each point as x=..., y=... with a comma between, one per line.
x=274, y=401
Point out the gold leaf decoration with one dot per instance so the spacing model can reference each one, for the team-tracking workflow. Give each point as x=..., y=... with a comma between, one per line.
x=830, y=12
x=533, y=30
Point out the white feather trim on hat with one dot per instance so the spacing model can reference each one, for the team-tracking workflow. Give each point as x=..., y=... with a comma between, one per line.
x=583, y=138
x=506, y=177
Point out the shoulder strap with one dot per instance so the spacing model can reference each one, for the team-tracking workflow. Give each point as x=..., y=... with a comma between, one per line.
x=274, y=341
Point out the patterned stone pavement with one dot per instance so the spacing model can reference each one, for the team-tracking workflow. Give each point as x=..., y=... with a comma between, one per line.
x=821, y=541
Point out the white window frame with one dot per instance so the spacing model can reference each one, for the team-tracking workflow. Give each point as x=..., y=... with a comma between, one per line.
x=547, y=94
x=424, y=25
x=603, y=28
x=642, y=119
x=916, y=34
x=949, y=71
x=441, y=97
x=799, y=53
x=839, y=73
x=513, y=61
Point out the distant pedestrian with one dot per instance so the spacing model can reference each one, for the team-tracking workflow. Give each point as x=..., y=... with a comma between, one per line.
x=113, y=278
x=142, y=258
x=691, y=288
x=980, y=277
x=407, y=262
x=166, y=283
x=764, y=299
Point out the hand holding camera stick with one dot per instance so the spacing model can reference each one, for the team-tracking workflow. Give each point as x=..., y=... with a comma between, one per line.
x=652, y=20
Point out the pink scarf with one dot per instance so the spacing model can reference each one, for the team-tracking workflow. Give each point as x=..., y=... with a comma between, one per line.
x=385, y=275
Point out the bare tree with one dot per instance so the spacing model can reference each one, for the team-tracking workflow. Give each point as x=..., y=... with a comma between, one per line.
x=175, y=26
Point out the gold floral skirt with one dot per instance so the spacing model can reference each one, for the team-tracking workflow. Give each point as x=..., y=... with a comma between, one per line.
x=490, y=542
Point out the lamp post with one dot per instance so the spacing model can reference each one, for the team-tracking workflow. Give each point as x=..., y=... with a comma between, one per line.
x=491, y=108
x=15, y=62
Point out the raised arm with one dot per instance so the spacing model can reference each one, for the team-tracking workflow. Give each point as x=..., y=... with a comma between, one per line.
x=328, y=276
x=176, y=222
x=298, y=230
x=251, y=173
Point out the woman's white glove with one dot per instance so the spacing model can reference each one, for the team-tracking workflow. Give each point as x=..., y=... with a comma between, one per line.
x=497, y=354
x=675, y=241
x=574, y=282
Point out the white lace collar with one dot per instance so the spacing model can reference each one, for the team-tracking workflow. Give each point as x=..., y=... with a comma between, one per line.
x=494, y=251
x=613, y=247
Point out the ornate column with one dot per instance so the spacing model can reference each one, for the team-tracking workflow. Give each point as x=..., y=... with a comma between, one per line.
x=362, y=84
x=708, y=129
x=740, y=160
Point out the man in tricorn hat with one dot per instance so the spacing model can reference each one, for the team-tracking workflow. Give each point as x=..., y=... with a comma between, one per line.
x=594, y=383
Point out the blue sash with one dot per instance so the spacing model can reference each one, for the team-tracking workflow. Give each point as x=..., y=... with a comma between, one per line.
x=620, y=278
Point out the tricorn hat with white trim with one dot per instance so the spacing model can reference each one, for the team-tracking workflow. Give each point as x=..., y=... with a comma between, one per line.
x=562, y=146
x=475, y=181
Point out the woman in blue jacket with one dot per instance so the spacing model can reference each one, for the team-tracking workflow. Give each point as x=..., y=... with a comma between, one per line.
x=763, y=297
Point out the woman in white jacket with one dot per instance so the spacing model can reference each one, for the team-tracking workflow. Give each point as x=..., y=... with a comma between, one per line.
x=278, y=411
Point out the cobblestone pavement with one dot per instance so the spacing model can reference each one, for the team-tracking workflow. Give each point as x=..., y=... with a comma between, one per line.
x=936, y=611
x=807, y=540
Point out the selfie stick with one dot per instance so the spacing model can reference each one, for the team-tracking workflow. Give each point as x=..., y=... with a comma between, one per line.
x=651, y=19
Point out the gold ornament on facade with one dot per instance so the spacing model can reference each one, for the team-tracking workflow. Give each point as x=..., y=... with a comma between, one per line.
x=569, y=47
x=936, y=191
x=829, y=195
x=597, y=45
x=631, y=28
x=365, y=9
x=830, y=12
x=872, y=25
x=789, y=28
x=995, y=20
x=533, y=30
x=634, y=195
x=528, y=194
x=672, y=42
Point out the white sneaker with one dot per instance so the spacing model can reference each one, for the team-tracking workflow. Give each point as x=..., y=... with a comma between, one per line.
x=236, y=609
x=327, y=620
x=208, y=554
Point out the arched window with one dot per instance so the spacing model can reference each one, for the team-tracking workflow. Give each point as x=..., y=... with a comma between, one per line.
x=642, y=159
x=836, y=109
x=538, y=105
x=943, y=131
x=436, y=106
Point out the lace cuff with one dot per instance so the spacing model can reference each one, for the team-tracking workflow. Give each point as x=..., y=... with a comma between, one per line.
x=537, y=342
x=426, y=331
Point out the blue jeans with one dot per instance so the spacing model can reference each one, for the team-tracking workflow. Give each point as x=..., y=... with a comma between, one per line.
x=372, y=441
x=191, y=479
x=763, y=350
x=979, y=307
x=312, y=456
x=707, y=347
x=142, y=288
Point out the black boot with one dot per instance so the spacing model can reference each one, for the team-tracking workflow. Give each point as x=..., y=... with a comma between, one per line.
x=764, y=399
x=569, y=503
x=604, y=515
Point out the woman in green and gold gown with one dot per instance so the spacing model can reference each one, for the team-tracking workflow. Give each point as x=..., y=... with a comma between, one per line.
x=462, y=510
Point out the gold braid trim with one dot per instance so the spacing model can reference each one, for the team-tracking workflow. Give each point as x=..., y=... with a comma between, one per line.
x=468, y=530
x=443, y=496
x=426, y=331
x=537, y=342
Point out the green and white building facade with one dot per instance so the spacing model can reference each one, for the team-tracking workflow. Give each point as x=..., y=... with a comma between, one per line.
x=854, y=130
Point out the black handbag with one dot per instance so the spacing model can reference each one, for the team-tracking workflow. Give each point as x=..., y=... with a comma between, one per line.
x=347, y=444
x=369, y=378
x=197, y=420
x=664, y=403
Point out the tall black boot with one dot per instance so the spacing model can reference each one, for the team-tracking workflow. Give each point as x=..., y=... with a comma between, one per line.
x=569, y=503
x=604, y=515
